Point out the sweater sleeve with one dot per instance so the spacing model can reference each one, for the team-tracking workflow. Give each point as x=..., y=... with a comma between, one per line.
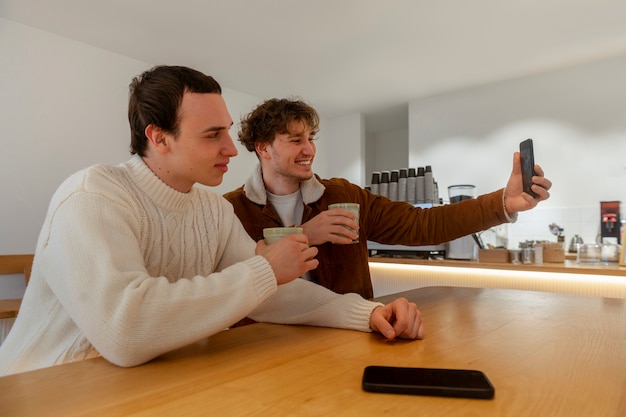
x=93, y=264
x=303, y=302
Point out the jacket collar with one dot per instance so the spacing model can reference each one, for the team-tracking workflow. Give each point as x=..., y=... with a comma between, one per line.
x=254, y=188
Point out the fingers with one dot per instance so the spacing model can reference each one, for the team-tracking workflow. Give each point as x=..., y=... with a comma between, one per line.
x=311, y=264
x=309, y=253
x=334, y=226
x=343, y=228
x=409, y=323
x=341, y=217
x=540, y=179
x=542, y=193
x=380, y=323
x=541, y=184
x=401, y=319
x=299, y=237
x=339, y=212
x=330, y=226
x=517, y=164
x=515, y=199
x=289, y=257
x=343, y=236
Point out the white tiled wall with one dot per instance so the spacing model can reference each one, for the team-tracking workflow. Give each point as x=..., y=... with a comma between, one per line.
x=533, y=225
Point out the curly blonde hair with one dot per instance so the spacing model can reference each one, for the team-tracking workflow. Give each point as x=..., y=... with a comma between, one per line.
x=273, y=117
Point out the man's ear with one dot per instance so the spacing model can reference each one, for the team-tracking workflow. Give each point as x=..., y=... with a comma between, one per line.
x=261, y=149
x=158, y=138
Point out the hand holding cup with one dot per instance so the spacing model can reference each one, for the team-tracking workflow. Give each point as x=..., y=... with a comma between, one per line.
x=288, y=253
x=353, y=208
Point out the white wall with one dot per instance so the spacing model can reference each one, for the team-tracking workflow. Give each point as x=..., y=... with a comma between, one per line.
x=577, y=118
x=387, y=151
x=63, y=107
x=346, y=137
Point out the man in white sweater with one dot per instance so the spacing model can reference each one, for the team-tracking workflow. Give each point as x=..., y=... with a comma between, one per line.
x=134, y=261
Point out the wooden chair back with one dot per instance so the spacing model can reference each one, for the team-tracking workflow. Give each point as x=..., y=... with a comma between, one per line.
x=17, y=264
x=14, y=264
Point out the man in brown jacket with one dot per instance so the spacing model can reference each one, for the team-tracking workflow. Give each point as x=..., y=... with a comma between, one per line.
x=284, y=191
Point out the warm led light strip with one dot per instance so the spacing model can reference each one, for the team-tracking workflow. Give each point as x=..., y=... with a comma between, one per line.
x=392, y=278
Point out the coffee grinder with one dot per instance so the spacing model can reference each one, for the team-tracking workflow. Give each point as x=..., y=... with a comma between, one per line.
x=610, y=224
x=464, y=247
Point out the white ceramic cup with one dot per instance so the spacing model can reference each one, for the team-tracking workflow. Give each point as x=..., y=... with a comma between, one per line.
x=272, y=234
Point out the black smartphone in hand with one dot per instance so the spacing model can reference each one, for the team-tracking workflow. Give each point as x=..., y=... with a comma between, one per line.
x=527, y=154
x=463, y=383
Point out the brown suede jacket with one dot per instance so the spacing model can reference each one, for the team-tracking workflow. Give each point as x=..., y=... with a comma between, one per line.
x=344, y=268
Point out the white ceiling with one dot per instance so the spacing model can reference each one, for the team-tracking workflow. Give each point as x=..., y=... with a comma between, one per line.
x=342, y=56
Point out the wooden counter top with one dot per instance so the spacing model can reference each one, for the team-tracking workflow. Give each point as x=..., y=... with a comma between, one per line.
x=546, y=354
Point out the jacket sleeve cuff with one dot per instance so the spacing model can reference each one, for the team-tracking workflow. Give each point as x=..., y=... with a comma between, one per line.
x=510, y=217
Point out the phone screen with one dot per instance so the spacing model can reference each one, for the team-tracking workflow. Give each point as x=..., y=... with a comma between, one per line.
x=428, y=381
x=528, y=165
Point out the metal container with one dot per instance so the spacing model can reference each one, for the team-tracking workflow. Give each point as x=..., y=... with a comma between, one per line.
x=575, y=244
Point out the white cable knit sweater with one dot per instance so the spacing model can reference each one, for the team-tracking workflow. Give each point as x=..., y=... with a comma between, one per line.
x=129, y=268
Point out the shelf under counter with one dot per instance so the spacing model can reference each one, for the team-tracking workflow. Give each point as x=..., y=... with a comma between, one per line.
x=391, y=275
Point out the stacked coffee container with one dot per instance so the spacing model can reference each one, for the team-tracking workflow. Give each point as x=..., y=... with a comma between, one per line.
x=413, y=185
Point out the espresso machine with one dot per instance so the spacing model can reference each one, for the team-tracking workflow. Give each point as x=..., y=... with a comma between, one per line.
x=464, y=247
x=610, y=224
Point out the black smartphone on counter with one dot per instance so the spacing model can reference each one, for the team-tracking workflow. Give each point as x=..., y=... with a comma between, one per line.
x=462, y=383
x=527, y=154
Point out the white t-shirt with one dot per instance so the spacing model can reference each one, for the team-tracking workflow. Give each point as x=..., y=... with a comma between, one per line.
x=290, y=209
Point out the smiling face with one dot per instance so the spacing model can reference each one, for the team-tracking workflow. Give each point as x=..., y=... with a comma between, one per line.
x=201, y=150
x=288, y=160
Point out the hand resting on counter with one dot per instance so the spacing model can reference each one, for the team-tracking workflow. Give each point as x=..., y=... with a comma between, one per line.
x=400, y=318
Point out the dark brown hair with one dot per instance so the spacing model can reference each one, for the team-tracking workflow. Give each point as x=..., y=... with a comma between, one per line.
x=155, y=96
x=274, y=117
